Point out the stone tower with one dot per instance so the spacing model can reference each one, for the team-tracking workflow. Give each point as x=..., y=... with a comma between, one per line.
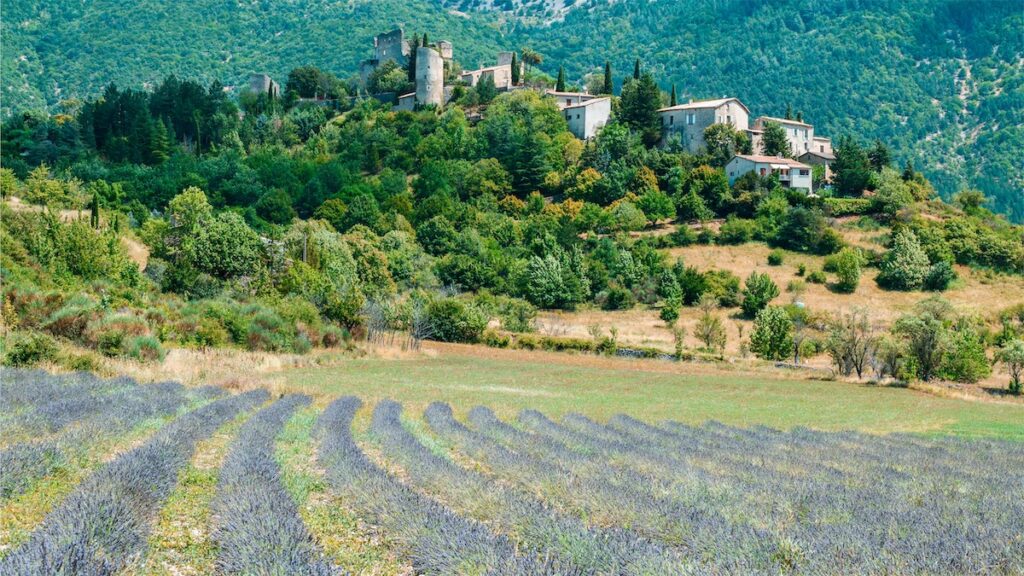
x=429, y=77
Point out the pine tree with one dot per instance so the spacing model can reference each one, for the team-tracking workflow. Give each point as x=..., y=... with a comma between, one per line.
x=789, y=112
x=94, y=207
x=774, y=141
x=636, y=69
x=672, y=100
x=908, y=171
x=560, y=84
x=515, y=69
x=159, y=143
x=799, y=116
x=639, y=106
x=609, y=85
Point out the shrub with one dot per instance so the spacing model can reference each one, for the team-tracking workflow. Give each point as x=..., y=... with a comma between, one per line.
x=736, y=231
x=669, y=312
x=965, y=359
x=1012, y=356
x=517, y=315
x=618, y=298
x=452, y=320
x=772, y=338
x=332, y=336
x=846, y=265
x=759, y=290
x=940, y=275
x=210, y=333
x=684, y=236
x=723, y=285
x=838, y=207
x=817, y=277
x=145, y=349
x=775, y=258
x=29, y=348
x=905, y=265
x=706, y=236
x=71, y=320
x=496, y=339
x=801, y=269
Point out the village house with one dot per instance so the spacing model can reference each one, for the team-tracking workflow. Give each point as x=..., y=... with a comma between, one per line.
x=792, y=173
x=820, y=154
x=588, y=117
x=566, y=99
x=800, y=134
x=264, y=84
x=688, y=121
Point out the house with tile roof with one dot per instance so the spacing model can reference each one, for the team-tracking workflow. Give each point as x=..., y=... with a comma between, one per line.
x=688, y=121
x=791, y=173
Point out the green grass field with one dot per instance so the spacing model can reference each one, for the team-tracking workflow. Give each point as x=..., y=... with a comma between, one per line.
x=557, y=384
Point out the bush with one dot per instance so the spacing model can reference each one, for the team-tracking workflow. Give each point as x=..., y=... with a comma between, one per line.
x=452, y=320
x=736, y=231
x=145, y=349
x=618, y=298
x=332, y=336
x=772, y=338
x=759, y=290
x=838, y=207
x=496, y=339
x=801, y=269
x=846, y=265
x=29, y=348
x=684, y=236
x=965, y=359
x=775, y=258
x=905, y=265
x=817, y=277
x=939, y=277
x=669, y=312
x=71, y=320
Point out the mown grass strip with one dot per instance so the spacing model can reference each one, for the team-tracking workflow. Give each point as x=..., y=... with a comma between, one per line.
x=180, y=543
x=20, y=515
x=342, y=535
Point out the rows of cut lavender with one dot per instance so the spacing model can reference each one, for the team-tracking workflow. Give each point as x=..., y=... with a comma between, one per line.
x=435, y=540
x=103, y=524
x=534, y=525
x=68, y=413
x=257, y=525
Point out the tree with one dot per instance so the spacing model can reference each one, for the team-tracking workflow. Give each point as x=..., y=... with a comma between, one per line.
x=636, y=69
x=94, y=212
x=846, y=264
x=758, y=291
x=1011, y=355
x=711, y=185
x=486, y=89
x=638, y=108
x=516, y=71
x=560, y=83
x=159, y=143
x=789, y=111
x=672, y=98
x=225, y=248
x=772, y=338
x=709, y=329
x=656, y=205
x=851, y=169
x=189, y=209
x=722, y=142
x=852, y=342
x=609, y=84
x=774, y=141
x=971, y=201
x=531, y=59
x=905, y=265
x=925, y=335
x=965, y=359
x=411, y=60
x=879, y=156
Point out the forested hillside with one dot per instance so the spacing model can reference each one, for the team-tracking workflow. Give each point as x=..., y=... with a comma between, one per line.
x=941, y=80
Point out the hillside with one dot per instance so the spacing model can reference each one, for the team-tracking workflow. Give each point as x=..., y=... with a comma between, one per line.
x=940, y=80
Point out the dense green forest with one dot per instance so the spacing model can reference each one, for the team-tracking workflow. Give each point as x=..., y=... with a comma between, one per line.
x=939, y=80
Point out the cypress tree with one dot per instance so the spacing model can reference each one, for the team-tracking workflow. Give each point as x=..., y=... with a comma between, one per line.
x=515, y=69
x=789, y=112
x=799, y=116
x=636, y=69
x=94, y=207
x=159, y=143
x=560, y=84
x=672, y=101
x=609, y=85
x=411, y=67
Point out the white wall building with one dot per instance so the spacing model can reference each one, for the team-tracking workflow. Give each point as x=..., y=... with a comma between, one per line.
x=565, y=99
x=502, y=75
x=799, y=134
x=792, y=173
x=588, y=117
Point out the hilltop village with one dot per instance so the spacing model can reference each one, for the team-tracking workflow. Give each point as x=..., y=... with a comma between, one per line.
x=438, y=79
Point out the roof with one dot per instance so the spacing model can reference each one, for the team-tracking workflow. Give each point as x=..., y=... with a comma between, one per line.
x=580, y=94
x=782, y=121
x=822, y=138
x=586, y=103
x=487, y=68
x=409, y=95
x=822, y=155
x=758, y=159
x=704, y=104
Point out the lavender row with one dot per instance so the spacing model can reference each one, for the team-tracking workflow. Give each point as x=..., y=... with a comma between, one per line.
x=531, y=523
x=257, y=524
x=435, y=540
x=104, y=523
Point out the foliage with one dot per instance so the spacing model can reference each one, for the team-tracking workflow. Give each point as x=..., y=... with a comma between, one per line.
x=452, y=320
x=1011, y=355
x=846, y=265
x=905, y=265
x=758, y=291
x=772, y=337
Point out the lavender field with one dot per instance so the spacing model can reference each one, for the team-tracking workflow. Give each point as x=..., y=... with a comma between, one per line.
x=465, y=492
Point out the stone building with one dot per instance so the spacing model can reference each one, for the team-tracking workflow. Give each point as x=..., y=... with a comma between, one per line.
x=264, y=84
x=791, y=173
x=501, y=74
x=388, y=46
x=587, y=117
x=565, y=99
x=820, y=154
x=429, y=77
x=688, y=121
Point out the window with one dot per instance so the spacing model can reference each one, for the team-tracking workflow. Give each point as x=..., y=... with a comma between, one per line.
x=763, y=172
x=804, y=172
x=671, y=120
x=729, y=118
x=577, y=116
x=691, y=119
x=568, y=102
x=822, y=148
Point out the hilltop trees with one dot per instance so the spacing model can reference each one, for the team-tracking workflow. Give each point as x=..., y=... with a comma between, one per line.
x=852, y=168
x=638, y=108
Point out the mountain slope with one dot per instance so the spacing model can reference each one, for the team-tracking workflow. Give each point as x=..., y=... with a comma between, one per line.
x=941, y=80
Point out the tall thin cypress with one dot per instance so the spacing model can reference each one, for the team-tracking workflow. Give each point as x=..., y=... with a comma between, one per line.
x=560, y=84
x=515, y=69
x=636, y=69
x=609, y=85
x=94, y=207
x=672, y=100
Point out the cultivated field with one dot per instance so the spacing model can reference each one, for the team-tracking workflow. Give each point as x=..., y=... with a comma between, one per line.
x=104, y=476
